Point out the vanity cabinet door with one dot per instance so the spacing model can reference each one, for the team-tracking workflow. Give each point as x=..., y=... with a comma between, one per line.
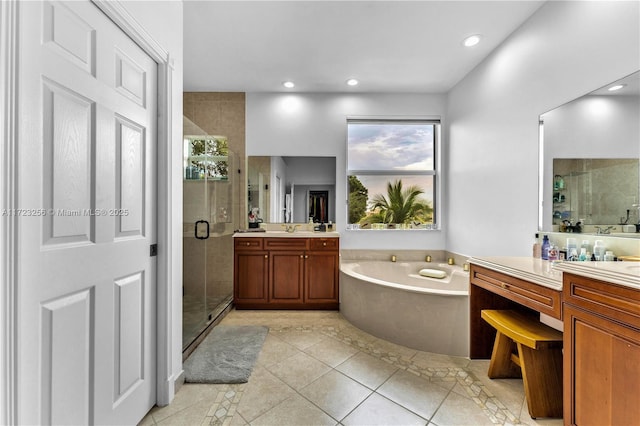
x=321, y=277
x=251, y=275
x=601, y=370
x=601, y=352
x=286, y=272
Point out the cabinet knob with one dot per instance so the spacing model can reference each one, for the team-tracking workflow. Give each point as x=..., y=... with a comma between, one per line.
x=324, y=244
x=266, y=256
x=503, y=285
x=306, y=257
x=300, y=256
x=248, y=244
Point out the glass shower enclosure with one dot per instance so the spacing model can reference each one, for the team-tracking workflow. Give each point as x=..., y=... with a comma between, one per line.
x=207, y=229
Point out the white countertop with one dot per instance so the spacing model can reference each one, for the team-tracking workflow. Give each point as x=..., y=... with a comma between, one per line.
x=549, y=274
x=285, y=234
x=537, y=271
x=623, y=273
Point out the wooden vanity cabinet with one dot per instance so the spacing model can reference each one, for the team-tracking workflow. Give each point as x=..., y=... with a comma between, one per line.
x=601, y=352
x=491, y=289
x=322, y=265
x=297, y=273
x=250, y=271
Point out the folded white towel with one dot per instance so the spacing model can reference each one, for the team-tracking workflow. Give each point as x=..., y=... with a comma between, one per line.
x=432, y=273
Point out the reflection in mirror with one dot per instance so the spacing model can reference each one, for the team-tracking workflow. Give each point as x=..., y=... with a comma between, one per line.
x=291, y=189
x=595, y=191
x=591, y=147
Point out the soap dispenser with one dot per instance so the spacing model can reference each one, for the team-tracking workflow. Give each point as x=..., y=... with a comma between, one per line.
x=545, y=247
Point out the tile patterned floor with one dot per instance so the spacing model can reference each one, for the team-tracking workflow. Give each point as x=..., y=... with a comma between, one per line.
x=316, y=368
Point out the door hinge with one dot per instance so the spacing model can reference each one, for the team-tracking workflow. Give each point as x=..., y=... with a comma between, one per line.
x=153, y=250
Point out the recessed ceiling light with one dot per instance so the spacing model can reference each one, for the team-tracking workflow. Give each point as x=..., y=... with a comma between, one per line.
x=616, y=87
x=471, y=40
x=352, y=82
x=289, y=84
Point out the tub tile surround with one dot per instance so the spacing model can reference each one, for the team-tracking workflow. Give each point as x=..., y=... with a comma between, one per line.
x=437, y=256
x=357, y=379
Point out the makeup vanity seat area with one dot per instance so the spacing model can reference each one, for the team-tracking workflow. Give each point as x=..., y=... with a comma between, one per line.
x=287, y=271
x=599, y=306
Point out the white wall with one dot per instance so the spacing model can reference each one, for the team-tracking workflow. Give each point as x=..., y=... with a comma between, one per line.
x=564, y=51
x=163, y=20
x=312, y=124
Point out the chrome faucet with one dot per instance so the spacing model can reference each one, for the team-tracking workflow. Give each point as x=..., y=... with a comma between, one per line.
x=605, y=231
x=291, y=228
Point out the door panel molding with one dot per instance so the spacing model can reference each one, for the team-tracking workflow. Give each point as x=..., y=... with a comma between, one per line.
x=8, y=201
x=67, y=374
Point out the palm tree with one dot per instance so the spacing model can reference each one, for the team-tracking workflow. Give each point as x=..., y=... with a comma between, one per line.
x=401, y=206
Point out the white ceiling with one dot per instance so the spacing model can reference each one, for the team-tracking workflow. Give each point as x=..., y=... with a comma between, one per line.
x=390, y=46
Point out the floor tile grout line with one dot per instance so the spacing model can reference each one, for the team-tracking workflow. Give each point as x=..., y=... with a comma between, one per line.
x=367, y=346
x=467, y=371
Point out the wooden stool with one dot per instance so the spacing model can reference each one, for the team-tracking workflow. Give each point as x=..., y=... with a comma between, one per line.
x=537, y=359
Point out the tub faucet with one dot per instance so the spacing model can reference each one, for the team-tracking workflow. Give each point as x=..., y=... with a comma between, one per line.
x=393, y=257
x=428, y=258
x=450, y=261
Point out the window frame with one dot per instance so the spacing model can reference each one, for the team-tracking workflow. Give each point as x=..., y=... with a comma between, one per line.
x=436, y=173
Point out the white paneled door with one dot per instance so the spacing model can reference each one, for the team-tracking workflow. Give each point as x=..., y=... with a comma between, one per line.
x=87, y=186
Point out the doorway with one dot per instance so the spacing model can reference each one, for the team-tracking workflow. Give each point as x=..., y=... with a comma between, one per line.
x=319, y=206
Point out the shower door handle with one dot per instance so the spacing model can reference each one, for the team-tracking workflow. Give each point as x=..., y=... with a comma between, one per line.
x=199, y=235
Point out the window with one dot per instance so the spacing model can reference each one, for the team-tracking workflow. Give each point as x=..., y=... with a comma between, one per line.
x=206, y=157
x=391, y=173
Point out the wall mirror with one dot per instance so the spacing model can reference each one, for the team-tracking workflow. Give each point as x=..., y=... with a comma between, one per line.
x=291, y=189
x=589, y=162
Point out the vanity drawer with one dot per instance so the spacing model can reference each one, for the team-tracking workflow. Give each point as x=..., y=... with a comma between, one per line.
x=323, y=244
x=285, y=243
x=534, y=296
x=247, y=243
x=616, y=302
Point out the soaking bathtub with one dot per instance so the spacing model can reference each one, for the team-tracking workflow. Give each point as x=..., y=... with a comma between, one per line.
x=392, y=301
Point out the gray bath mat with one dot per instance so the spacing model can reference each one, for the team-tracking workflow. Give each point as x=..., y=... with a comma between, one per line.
x=226, y=355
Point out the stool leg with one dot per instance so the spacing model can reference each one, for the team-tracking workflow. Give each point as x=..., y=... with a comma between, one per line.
x=542, y=377
x=501, y=365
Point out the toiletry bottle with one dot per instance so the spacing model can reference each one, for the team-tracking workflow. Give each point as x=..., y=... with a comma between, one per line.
x=585, y=245
x=583, y=255
x=608, y=256
x=599, y=249
x=572, y=244
x=573, y=255
x=545, y=247
x=553, y=252
x=537, y=249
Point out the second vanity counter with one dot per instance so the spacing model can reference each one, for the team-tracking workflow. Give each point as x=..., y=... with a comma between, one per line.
x=595, y=304
x=549, y=274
